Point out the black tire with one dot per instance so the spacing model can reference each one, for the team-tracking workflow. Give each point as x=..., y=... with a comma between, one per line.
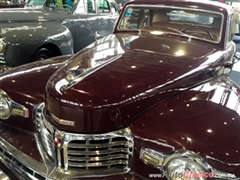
x=41, y=54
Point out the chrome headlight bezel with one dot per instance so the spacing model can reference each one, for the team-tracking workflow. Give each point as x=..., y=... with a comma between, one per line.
x=10, y=107
x=177, y=167
x=5, y=106
x=164, y=161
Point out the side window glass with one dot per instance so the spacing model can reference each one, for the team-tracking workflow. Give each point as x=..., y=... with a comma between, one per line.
x=230, y=36
x=61, y=4
x=91, y=6
x=131, y=18
x=104, y=6
x=135, y=18
x=36, y=3
x=53, y=3
x=68, y=4
x=114, y=7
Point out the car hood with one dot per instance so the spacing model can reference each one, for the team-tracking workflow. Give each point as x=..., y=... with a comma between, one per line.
x=32, y=14
x=108, y=84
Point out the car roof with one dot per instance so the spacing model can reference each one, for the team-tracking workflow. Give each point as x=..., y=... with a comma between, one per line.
x=193, y=4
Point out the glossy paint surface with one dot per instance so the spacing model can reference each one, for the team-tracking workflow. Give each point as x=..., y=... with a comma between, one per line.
x=29, y=38
x=29, y=89
x=122, y=82
x=171, y=92
x=203, y=119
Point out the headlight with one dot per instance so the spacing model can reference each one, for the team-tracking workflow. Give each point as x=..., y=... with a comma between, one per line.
x=8, y=107
x=5, y=110
x=181, y=165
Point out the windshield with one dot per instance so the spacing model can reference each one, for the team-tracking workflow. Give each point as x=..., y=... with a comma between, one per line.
x=63, y=4
x=182, y=21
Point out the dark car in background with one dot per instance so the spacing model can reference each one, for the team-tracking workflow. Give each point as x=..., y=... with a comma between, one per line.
x=152, y=100
x=55, y=28
x=11, y=3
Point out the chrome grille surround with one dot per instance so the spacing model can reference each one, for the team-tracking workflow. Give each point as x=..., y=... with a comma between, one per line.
x=87, y=155
x=3, y=45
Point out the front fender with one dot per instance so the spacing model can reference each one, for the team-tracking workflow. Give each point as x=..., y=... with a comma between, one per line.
x=26, y=86
x=23, y=40
x=204, y=119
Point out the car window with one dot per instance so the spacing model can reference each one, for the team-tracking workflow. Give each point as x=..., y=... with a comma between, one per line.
x=36, y=3
x=180, y=15
x=230, y=38
x=86, y=7
x=170, y=20
x=61, y=4
x=104, y=6
x=81, y=7
x=91, y=6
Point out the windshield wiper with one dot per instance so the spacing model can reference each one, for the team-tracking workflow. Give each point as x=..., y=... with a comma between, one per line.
x=180, y=32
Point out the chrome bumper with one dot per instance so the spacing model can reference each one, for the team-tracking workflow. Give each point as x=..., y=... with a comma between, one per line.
x=25, y=167
x=13, y=159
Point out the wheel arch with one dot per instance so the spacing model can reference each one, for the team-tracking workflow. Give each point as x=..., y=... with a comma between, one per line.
x=51, y=47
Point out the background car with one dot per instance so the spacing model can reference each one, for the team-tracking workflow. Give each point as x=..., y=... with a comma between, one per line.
x=55, y=29
x=11, y=4
x=151, y=100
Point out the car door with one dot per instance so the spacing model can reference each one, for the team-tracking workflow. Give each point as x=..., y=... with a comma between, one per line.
x=93, y=19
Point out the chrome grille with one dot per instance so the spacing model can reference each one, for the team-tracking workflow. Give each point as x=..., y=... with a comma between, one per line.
x=108, y=153
x=98, y=154
x=87, y=155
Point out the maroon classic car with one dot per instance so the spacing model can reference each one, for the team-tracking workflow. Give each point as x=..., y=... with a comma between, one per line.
x=151, y=101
